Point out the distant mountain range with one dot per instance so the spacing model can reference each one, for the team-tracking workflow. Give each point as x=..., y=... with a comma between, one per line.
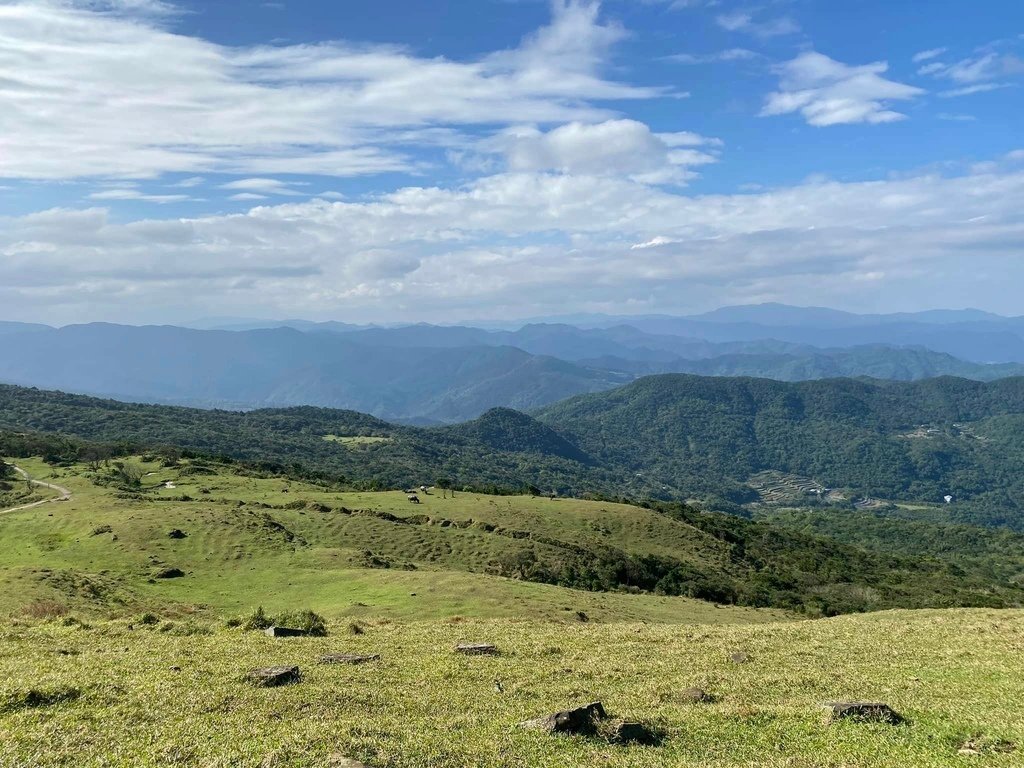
x=434, y=374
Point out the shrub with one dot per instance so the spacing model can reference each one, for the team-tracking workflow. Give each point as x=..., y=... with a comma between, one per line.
x=308, y=621
x=258, y=619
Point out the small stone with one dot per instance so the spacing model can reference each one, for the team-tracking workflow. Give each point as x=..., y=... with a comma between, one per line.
x=270, y=677
x=348, y=658
x=739, y=657
x=580, y=720
x=868, y=711
x=340, y=761
x=696, y=696
x=477, y=649
x=284, y=632
x=176, y=534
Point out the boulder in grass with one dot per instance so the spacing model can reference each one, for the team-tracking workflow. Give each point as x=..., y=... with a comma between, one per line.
x=739, y=657
x=581, y=720
x=285, y=632
x=349, y=658
x=866, y=711
x=177, y=533
x=477, y=649
x=271, y=677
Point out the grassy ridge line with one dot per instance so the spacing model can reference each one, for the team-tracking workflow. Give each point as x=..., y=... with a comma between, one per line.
x=236, y=557
x=258, y=538
x=957, y=676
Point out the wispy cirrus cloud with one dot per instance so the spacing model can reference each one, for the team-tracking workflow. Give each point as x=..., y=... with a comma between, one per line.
x=745, y=21
x=828, y=92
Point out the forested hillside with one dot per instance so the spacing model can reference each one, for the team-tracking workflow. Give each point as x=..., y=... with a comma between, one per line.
x=670, y=436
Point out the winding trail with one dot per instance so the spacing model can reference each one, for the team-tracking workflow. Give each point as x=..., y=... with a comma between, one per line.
x=65, y=494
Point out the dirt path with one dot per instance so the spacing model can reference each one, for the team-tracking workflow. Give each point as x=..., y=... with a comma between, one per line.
x=65, y=494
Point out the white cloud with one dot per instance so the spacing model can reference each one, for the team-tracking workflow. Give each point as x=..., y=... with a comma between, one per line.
x=131, y=193
x=244, y=196
x=989, y=69
x=532, y=243
x=741, y=21
x=929, y=54
x=727, y=55
x=972, y=89
x=263, y=186
x=828, y=92
x=612, y=148
x=136, y=100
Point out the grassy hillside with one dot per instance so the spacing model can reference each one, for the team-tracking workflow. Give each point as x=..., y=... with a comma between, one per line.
x=251, y=537
x=173, y=693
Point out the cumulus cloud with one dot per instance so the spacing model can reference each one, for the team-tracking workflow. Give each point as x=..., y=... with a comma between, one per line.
x=828, y=92
x=514, y=243
x=612, y=148
x=91, y=93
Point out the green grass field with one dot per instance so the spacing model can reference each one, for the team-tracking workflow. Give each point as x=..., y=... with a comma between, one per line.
x=85, y=680
x=157, y=696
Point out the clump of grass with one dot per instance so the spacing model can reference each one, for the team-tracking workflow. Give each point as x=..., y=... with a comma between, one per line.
x=32, y=698
x=258, y=619
x=355, y=628
x=100, y=530
x=309, y=621
x=44, y=610
x=149, y=619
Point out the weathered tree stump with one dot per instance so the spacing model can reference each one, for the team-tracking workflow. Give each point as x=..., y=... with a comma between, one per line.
x=271, y=677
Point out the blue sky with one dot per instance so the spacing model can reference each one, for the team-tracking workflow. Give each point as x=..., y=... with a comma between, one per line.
x=397, y=160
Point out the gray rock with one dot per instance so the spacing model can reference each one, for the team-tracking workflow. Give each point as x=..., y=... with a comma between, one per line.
x=340, y=761
x=696, y=696
x=284, y=632
x=348, y=658
x=477, y=649
x=869, y=711
x=580, y=720
x=739, y=657
x=270, y=677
